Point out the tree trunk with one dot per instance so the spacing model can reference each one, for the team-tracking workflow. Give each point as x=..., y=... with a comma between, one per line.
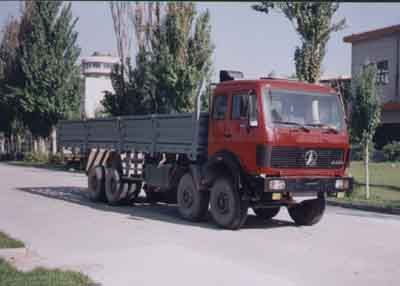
x=42, y=145
x=53, y=140
x=366, y=169
x=12, y=146
x=7, y=145
x=35, y=145
x=2, y=145
x=18, y=141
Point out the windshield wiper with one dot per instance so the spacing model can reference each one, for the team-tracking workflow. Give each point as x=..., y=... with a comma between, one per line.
x=301, y=126
x=324, y=126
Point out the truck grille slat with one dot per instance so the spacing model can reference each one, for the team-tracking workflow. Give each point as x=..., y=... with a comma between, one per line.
x=293, y=157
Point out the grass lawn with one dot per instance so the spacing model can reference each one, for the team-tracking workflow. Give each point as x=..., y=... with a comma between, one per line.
x=384, y=184
x=8, y=242
x=9, y=276
x=40, y=277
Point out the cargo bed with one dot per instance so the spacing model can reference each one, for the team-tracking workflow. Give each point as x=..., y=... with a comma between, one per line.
x=157, y=133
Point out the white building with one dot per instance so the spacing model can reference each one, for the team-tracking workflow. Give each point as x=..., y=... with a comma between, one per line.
x=96, y=71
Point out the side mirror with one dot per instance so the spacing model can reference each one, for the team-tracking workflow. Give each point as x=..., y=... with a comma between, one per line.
x=253, y=121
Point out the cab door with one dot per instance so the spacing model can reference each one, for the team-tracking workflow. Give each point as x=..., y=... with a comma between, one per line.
x=217, y=126
x=242, y=136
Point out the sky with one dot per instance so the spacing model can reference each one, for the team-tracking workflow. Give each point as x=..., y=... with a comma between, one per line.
x=245, y=40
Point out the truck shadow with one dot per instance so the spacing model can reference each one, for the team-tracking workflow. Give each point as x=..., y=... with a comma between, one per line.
x=141, y=210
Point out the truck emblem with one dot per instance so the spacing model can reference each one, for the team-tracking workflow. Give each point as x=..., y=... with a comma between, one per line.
x=311, y=158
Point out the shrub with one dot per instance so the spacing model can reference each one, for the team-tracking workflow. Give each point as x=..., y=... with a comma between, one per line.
x=56, y=159
x=36, y=157
x=357, y=152
x=391, y=151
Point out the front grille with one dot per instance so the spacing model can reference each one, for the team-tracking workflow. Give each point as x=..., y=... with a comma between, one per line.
x=292, y=157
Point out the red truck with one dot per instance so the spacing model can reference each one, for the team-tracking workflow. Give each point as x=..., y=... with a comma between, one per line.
x=263, y=144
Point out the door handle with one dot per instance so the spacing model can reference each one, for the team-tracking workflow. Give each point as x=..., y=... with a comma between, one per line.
x=227, y=135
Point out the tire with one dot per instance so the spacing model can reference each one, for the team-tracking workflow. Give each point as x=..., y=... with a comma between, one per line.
x=227, y=208
x=192, y=203
x=308, y=212
x=114, y=187
x=266, y=213
x=96, y=184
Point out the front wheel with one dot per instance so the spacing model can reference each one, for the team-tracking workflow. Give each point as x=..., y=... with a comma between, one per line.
x=227, y=208
x=308, y=212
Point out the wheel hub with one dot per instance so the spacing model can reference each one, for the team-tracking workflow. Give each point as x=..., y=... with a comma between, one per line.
x=187, y=198
x=222, y=203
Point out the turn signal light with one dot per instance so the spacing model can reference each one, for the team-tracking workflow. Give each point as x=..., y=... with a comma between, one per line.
x=341, y=184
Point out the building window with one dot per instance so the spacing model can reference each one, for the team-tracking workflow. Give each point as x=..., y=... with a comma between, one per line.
x=108, y=65
x=382, y=72
x=220, y=105
x=93, y=65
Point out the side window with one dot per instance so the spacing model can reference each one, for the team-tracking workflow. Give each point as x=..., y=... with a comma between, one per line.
x=220, y=105
x=240, y=106
x=253, y=110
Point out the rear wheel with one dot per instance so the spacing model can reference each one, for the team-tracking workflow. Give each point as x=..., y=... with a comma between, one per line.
x=192, y=203
x=308, y=212
x=266, y=213
x=114, y=186
x=96, y=184
x=227, y=208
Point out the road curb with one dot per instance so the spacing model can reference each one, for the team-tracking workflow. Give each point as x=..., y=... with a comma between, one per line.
x=358, y=206
x=23, y=259
x=10, y=254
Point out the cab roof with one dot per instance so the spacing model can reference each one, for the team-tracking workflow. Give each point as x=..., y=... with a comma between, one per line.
x=283, y=84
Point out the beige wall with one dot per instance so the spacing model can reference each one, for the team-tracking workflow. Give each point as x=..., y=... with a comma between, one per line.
x=374, y=51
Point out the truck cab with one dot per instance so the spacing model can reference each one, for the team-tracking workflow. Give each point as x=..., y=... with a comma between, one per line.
x=287, y=139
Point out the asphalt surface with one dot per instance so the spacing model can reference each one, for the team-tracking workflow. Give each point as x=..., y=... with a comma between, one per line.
x=149, y=245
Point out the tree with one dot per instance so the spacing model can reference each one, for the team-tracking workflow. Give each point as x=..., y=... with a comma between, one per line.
x=10, y=74
x=365, y=113
x=120, y=12
x=48, y=54
x=313, y=22
x=174, y=54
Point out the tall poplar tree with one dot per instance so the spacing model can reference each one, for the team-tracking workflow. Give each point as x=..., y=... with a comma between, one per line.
x=10, y=74
x=365, y=113
x=314, y=24
x=48, y=58
x=174, y=55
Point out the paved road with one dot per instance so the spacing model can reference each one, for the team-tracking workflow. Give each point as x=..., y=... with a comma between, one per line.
x=149, y=245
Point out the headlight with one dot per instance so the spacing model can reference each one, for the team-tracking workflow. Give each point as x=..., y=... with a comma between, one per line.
x=341, y=184
x=277, y=185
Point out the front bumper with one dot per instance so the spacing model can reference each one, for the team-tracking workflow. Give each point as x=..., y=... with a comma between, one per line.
x=302, y=185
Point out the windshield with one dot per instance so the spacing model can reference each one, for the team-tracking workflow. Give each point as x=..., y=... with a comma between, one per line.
x=305, y=109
